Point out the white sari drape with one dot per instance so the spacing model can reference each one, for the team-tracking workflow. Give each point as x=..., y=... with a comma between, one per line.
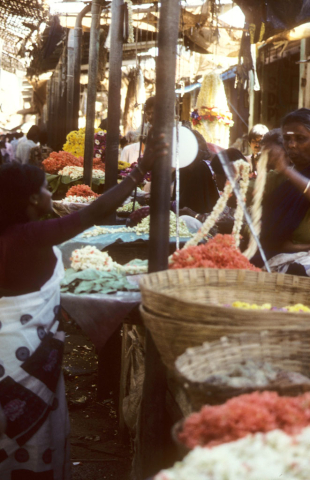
x=32, y=396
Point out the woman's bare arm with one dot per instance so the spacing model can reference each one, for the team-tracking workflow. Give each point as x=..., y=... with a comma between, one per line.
x=109, y=201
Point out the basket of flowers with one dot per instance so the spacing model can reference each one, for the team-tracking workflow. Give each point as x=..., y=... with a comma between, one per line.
x=260, y=436
x=77, y=197
x=214, y=372
x=183, y=307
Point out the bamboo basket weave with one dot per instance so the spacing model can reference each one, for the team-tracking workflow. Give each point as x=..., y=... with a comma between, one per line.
x=184, y=308
x=286, y=350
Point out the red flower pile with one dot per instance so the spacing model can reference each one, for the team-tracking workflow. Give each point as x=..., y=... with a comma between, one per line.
x=58, y=160
x=240, y=416
x=81, y=191
x=220, y=252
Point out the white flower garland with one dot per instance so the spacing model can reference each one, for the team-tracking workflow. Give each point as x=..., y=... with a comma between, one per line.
x=242, y=169
x=131, y=38
x=244, y=172
x=257, y=210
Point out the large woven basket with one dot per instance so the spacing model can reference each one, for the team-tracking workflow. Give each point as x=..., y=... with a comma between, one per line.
x=286, y=350
x=184, y=308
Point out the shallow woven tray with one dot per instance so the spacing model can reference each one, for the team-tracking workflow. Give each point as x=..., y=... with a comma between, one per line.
x=288, y=350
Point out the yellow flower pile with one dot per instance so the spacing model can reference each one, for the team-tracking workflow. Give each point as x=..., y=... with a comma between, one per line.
x=299, y=307
x=75, y=142
x=123, y=165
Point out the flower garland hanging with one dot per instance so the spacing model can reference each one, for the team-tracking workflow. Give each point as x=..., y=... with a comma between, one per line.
x=211, y=116
x=242, y=169
x=131, y=38
x=244, y=184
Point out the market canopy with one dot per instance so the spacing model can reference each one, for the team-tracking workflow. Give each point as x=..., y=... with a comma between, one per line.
x=274, y=15
x=18, y=20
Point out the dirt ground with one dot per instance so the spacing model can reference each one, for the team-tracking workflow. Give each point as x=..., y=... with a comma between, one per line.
x=97, y=450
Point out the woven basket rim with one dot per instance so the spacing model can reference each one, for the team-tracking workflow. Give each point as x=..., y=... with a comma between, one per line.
x=221, y=308
x=152, y=289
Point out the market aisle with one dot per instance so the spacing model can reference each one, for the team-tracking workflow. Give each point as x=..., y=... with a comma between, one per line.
x=95, y=443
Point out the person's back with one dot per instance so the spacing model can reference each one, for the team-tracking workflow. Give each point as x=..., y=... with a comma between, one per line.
x=24, y=147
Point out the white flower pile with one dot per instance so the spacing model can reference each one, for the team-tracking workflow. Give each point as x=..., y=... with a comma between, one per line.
x=77, y=172
x=78, y=199
x=271, y=456
x=144, y=227
x=96, y=231
x=90, y=257
x=128, y=207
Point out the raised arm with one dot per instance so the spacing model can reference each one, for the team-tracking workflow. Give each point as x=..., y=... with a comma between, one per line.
x=109, y=201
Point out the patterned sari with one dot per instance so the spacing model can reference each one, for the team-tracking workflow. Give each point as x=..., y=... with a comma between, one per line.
x=35, y=445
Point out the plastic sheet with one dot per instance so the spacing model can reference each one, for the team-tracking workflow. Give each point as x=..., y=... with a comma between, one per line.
x=99, y=315
x=102, y=241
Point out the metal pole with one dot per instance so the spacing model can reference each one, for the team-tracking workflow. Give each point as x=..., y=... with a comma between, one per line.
x=92, y=90
x=154, y=390
x=70, y=81
x=78, y=31
x=114, y=97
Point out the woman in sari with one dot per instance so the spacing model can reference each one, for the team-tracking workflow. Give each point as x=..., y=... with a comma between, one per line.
x=34, y=424
x=286, y=205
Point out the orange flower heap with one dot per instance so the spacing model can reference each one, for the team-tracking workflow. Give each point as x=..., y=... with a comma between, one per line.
x=81, y=191
x=243, y=415
x=220, y=252
x=59, y=160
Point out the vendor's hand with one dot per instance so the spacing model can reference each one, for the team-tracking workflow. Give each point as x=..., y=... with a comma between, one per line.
x=155, y=147
x=278, y=159
x=187, y=211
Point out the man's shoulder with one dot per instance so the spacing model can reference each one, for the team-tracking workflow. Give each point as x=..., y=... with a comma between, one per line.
x=132, y=146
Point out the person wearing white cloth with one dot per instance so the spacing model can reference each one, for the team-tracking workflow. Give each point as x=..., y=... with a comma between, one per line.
x=34, y=422
x=24, y=147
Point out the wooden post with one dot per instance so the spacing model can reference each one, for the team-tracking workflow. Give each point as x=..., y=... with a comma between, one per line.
x=92, y=91
x=70, y=82
x=114, y=96
x=78, y=32
x=153, y=402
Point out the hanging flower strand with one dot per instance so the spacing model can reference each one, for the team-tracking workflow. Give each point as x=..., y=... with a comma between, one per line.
x=131, y=38
x=242, y=169
x=244, y=184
